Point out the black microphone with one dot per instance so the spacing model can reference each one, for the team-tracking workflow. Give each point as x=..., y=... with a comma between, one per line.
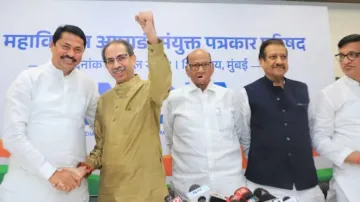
x=168, y=198
x=289, y=199
x=194, y=195
x=259, y=192
x=263, y=195
x=214, y=197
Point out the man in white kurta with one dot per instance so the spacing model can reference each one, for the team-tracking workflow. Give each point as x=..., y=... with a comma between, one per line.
x=336, y=129
x=203, y=131
x=45, y=109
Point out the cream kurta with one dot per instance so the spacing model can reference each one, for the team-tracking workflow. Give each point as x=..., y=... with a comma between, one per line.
x=127, y=125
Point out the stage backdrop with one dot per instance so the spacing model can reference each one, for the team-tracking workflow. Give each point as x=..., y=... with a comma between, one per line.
x=232, y=33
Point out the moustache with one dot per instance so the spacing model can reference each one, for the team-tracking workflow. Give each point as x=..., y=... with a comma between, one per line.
x=118, y=69
x=279, y=66
x=68, y=57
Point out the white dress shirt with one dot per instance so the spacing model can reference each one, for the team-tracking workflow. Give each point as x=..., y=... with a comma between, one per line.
x=336, y=132
x=203, y=133
x=44, y=131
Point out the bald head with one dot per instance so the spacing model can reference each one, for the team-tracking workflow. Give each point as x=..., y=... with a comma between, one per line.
x=197, y=53
x=199, y=68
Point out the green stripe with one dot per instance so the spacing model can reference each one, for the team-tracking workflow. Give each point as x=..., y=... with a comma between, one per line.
x=324, y=174
x=93, y=180
x=3, y=170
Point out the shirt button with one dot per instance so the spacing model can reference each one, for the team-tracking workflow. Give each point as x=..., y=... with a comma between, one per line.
x=289, y=154
x=288, y=138
x=114, y=119
x=283, y=110
x=285, y=124
x=277, y=99
x=116, y=106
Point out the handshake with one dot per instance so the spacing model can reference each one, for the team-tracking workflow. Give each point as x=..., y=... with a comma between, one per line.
x=67, y=179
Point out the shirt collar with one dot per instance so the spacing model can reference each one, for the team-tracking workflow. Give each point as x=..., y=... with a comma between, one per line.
x=193, y=87
x=128, y=84
x=270, y=82
x=121, y=89
x=351, y=81
x=59, y=73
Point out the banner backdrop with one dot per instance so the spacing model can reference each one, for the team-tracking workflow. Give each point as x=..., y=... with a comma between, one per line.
x=232, y=33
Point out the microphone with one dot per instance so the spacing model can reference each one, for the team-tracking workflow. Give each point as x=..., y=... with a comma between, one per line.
x=264, y=196
x=234, y=198
x=214, y=197
x=198, y=193
x=168, y=198
x=269, y=198
x=246, y=194
x=289, y=199
x=259, y=192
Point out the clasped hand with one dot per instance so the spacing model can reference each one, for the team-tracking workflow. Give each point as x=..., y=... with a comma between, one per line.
x=67, y=179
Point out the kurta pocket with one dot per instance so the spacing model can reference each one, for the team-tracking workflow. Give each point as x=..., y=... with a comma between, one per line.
x=225, y=119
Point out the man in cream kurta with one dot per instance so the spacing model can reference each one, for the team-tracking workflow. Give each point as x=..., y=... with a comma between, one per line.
x=45, y=108
x=127, y=123
x=336, y=130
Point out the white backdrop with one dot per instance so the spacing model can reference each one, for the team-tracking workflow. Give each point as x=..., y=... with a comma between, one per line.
x=237, y=28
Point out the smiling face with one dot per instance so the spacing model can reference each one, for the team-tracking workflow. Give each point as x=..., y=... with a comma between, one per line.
x=200, y=68
x=119, y=62
x=67, y=52
x=275, y=63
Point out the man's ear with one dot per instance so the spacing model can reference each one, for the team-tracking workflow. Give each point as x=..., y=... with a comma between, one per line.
x=133, y=59
x=187, y=70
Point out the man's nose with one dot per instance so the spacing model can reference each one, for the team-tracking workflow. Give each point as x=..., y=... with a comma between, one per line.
x=279, y=60
x=70, y=53
x=116, y=63
x=346, y=60
x=201, y=69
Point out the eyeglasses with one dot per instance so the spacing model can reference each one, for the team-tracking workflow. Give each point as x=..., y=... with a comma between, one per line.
x=119, y=59
x=196, y=66
x=351, y=56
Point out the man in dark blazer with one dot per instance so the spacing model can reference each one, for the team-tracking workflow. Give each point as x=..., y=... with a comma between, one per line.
x=276, y=115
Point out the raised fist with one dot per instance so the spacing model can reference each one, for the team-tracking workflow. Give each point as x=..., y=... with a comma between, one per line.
x=146, y=21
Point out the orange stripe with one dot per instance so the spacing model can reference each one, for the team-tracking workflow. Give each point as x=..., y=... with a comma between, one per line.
x=167, y=161
x=315, y=153
x=3, y=152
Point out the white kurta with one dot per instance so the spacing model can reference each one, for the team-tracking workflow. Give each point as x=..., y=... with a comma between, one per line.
x=203, y=133
x=336, y=133
x=44, y=131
